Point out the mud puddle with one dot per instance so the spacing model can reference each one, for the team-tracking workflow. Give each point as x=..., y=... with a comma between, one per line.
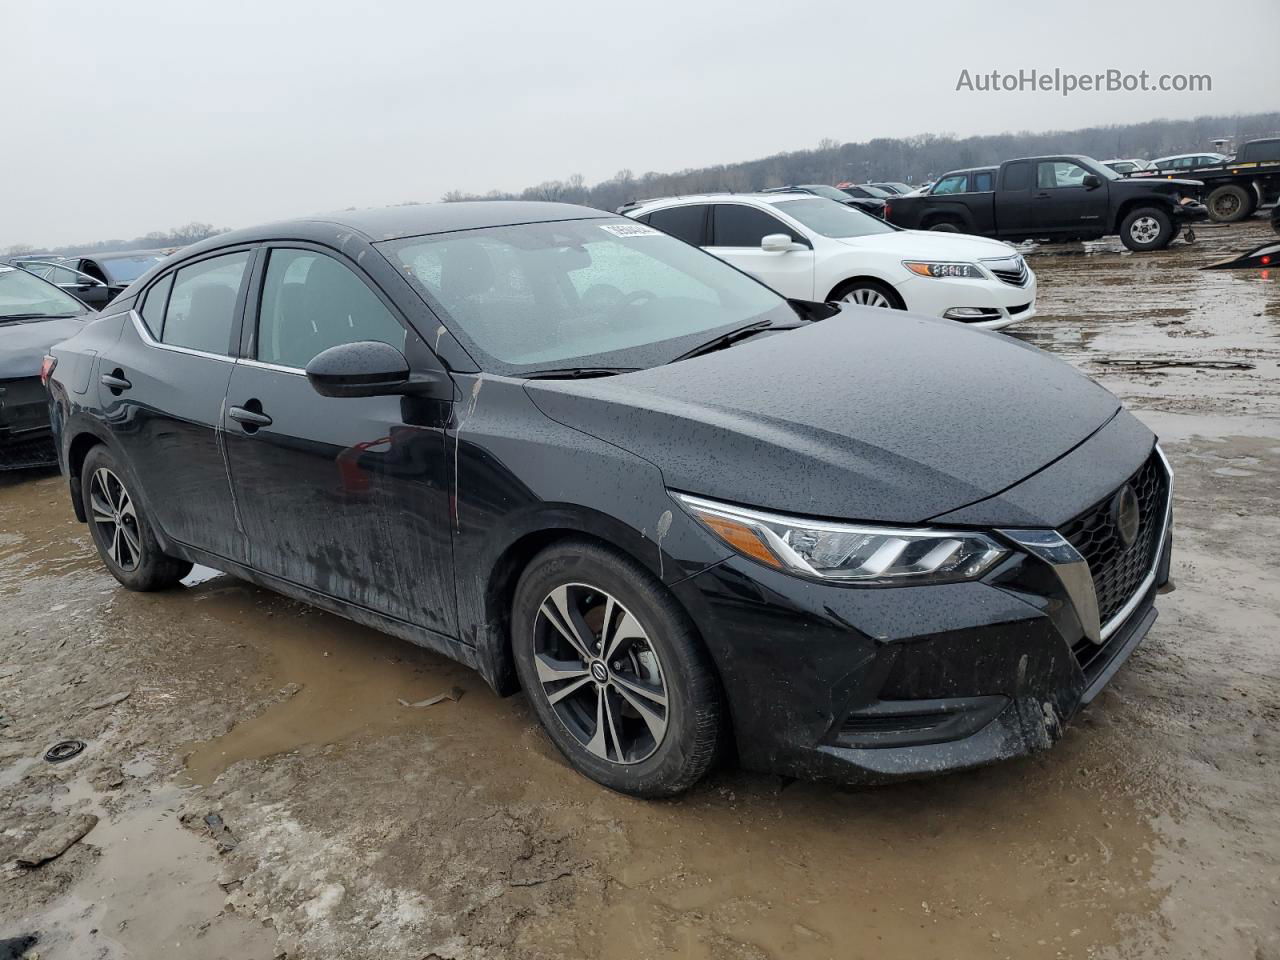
x=335, y=681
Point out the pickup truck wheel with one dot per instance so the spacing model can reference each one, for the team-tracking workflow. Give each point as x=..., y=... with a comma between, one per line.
x=868, y=293
x=1230, y=202
x=1147, y=228
x=945, y=226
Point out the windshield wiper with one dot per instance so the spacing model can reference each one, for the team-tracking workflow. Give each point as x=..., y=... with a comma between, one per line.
x=37, y=316
x=732, y=337
x=577, y=373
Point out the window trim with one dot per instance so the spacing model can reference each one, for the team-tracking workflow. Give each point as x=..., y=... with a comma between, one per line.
x=258, y=284
x=237, y=317
x=797, y=235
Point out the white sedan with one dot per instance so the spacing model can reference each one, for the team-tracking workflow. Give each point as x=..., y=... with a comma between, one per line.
x=812, y=248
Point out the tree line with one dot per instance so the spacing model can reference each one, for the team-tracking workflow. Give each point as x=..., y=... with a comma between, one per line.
x=908, y=159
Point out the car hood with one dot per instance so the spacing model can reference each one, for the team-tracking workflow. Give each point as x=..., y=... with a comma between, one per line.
x=871, y=415
x=23, y=345
x=932, y=244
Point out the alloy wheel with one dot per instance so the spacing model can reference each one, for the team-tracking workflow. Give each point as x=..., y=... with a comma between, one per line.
x=1145, y=229
x=116, y=519
x=867, y=297
x=600, y=674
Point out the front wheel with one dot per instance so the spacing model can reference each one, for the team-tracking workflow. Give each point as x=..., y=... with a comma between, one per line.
x=1147, y=228
x=120, y=528
x=868, y=293
x=615, y=671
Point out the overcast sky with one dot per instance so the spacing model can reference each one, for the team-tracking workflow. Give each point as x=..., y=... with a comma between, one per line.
x=128, y=116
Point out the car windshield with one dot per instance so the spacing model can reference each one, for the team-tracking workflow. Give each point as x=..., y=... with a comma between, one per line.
x=128, y=269
x=835, y=220
x=24, y=297
x=580, y=293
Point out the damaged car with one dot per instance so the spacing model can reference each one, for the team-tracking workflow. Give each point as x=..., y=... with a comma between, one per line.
x=34, y=315
x=691, y=519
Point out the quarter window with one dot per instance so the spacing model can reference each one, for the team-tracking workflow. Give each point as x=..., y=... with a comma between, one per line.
x=202, y=304
x=982, y=182
x=737, y=225
x=686, y=223
x=311, y=302
x=153, y=306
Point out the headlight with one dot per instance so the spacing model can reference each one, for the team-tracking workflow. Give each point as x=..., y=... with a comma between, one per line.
x=930, y=268
x=852, y=553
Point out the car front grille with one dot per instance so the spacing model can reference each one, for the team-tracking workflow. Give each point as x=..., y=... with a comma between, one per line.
x=1011, y=270
x=1117, y=570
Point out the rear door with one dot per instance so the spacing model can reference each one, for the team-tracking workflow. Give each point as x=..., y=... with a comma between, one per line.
x=1013, y=203
x=162, y=391
x=346, y=496
x=737, y=230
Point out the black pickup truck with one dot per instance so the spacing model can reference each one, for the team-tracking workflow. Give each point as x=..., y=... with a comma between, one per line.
x=1235, y=188
x=1059, y=198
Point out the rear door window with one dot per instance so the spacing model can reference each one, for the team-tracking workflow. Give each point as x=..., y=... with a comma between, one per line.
x=957, y=184
x=737, y=225
x=982, y=182
x=202, y=304
x=687, y=223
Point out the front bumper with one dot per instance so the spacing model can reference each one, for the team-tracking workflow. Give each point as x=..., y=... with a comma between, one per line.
x=1002, y=303
x=869, y=685
x=1190, y=212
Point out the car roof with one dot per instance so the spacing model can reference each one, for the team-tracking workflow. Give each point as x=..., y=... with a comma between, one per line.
x=955, y=173
x=115, y=254
x=727, y=196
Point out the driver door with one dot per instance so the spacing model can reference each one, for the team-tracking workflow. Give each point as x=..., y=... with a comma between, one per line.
x=346, y=496
x=1062, y=204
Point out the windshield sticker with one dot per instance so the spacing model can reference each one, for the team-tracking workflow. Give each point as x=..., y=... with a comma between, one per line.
x=630, y=230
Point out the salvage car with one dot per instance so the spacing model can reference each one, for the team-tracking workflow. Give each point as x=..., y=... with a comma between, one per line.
x=34, y=315
x=867, y=201
x=91, y=291
x=687, y=516
x=1060, y=198
x=1127, y=165
x=810, y=248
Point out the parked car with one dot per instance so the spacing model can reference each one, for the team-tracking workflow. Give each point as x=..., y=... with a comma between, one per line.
x=853, y=196
x=1187, y=161
x=1060, y=198
x=34, y=315
x=1124, y=167
x=892, y=187
x=809, y=248
x=675, y=508
x=116, y=270
x=92, y=291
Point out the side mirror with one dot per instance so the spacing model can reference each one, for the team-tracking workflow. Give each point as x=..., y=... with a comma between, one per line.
x=775, y=243
x=1091, y=181
x=366, y=368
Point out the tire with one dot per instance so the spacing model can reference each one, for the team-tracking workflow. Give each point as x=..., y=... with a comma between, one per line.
x=1147, y=228
x=123, y=535
x=945, y=226
x=1230, y=203
x=868, y=293
x=663, y=726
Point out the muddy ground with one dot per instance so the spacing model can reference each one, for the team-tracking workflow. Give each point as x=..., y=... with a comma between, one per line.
x=352, y=826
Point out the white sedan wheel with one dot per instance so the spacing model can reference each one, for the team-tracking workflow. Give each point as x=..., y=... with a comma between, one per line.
x=866, y=297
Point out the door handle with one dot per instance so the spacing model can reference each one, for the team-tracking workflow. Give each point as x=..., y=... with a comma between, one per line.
x=115, y=380
x=1042, y=196
x=249, y=419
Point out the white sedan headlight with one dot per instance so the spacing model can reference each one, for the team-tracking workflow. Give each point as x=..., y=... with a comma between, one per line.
x=850, y=553
x=945, y=271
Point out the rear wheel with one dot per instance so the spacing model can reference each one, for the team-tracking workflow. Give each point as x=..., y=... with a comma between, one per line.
x=945, y=226
x=120, y=528
x=1231, y=202
x=868, y=293
x=615, y=671
x=1147, y=228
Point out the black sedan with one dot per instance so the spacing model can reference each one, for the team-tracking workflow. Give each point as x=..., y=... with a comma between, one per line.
x=34, y=315
x=593, y=462
x=863, y=200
